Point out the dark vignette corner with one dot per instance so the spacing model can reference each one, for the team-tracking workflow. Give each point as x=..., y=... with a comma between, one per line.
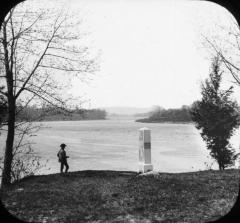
x=233, y=6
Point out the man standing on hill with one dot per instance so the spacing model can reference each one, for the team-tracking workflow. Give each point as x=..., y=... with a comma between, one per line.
x=62, y=158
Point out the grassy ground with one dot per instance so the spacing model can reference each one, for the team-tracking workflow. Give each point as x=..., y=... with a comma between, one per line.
x=112, y=196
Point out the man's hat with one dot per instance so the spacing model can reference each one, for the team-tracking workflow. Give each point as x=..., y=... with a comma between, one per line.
x=63, y=145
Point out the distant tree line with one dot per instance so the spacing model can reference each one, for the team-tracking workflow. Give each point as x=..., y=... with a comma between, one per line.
x=169, y=115
x=50, y=113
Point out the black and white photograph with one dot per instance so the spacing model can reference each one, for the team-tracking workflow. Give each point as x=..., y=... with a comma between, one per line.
x=119, y=111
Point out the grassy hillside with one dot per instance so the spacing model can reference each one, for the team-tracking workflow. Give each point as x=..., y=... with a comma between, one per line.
x=112, y=196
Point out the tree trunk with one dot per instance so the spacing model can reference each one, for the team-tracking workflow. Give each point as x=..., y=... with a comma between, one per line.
x=8, y=157
x=6, y=175
x=221, y=165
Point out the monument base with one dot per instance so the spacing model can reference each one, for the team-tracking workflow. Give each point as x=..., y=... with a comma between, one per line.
x=143, y=168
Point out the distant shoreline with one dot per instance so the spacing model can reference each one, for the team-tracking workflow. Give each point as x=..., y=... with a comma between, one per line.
x=146, y=120
x=73, y=120
x=117, y=118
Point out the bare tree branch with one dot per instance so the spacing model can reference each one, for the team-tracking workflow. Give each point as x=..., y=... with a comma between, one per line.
x=229, y=65
x=33, y=46
x=38, y=62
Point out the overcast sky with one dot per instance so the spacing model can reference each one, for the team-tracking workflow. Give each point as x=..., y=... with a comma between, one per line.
x=150, y=50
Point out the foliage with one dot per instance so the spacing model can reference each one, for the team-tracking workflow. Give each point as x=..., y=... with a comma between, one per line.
x=51, y=113
x=169, y=115
x=216, y=115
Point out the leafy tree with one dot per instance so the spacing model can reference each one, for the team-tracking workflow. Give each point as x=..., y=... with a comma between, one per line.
x=216, y=115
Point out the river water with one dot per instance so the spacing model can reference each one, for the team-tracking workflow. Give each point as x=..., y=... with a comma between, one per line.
x=113, y=145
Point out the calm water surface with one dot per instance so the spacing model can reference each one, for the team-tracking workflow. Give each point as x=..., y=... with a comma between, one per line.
x=113, y=144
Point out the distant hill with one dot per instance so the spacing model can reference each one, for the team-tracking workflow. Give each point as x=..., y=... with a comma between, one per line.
x=126, y=110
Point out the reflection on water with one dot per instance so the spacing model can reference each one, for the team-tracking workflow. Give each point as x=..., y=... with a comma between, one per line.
x=113, y=144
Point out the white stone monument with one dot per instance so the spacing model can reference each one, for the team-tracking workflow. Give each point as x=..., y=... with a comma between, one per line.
x=145, y=150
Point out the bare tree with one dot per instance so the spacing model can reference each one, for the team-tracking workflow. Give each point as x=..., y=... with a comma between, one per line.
x=225, y=43
x=26, y=161
x=36, y=50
